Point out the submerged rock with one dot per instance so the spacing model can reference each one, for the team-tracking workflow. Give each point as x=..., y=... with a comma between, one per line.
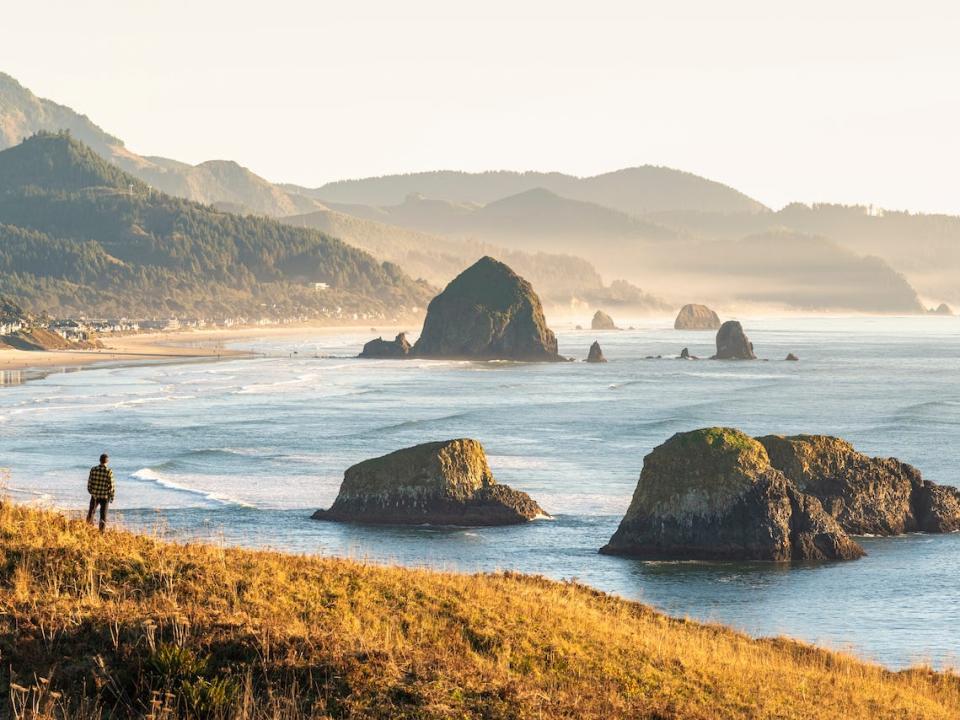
x=732, y=343
x=791, y=357
x=487, y=312
x=399, y=347
x=602, y=321
x=713, y=494
x=596, y=354
x=438, y=483
x=867, y=496
x=696, y=317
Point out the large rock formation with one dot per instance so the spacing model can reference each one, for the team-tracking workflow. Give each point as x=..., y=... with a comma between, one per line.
x=941, y=309
x=713, y=494
x=602, y=321
x=399, y=347
x=867, y=496
x=595, y=355
x=488, y=312
x=732, y=343
x=438, y=483
x=696, y=317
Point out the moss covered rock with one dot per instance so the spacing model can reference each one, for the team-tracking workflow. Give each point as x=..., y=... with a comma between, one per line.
x=867, y=496
x=713, y=494
x=488, y=312
x=438, y=483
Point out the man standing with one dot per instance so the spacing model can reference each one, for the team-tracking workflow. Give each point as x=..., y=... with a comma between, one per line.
x=101, y=488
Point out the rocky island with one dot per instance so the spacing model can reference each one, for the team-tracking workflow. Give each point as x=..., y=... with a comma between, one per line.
x=487, y=312
x=696, y=317
x=718, y=493
x=733, y=343
x=595, y=354
x=714, y=494
x=867, y=496
x=437, y=483
x=602, y=321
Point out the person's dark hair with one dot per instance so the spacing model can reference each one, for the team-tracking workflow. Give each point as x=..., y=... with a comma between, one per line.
x=104, y=458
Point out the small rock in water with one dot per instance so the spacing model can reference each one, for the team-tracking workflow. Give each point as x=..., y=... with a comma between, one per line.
x=602, y=321
x=438, y=483
x=399, y=347
x=733, y=343
x=596, y=354
x=791, y=357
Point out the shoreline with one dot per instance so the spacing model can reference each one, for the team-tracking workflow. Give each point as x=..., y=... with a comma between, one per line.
x=141, y=348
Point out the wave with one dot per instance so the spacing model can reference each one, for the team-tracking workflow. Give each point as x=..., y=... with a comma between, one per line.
x=152, y=476
x=406, y=424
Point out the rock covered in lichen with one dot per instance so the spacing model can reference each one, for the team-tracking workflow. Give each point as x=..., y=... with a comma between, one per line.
x=867, y=496
x=438, y=483
x=397, y=348
x=696, y=317
x=488, y=312
x=713, y=494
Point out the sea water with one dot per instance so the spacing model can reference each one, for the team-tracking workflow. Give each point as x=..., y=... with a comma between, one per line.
x=244, y=450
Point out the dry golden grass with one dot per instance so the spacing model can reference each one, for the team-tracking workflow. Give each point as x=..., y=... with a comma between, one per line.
x=122, y=624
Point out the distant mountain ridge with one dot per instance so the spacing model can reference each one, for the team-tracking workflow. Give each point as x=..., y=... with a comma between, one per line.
x=22, y=114
x=77, y=235
x=636, y=191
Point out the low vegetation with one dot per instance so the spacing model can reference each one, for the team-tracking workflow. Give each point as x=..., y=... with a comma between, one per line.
x=121, y=624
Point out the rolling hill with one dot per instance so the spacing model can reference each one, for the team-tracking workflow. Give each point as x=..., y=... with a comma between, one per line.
x=637, y=191
x=23, y=114
x=78, y=235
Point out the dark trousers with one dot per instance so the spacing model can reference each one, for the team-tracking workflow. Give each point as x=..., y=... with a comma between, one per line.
x=102, y=502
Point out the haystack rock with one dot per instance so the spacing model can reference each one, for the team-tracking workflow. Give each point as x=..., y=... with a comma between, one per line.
x=602, y=321
x=596, y=354
x=732, y=343
x=696, y=317
x=713, y=494
x=399, y=347
x=867, y=496
x=438, y=483
x=487, y=312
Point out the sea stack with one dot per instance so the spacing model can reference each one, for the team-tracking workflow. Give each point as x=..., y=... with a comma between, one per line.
x=602, y=321
x=696, y=317
x=595, y=355
x=397, y=348
x=488, y=312
x=438, y=483
x=732, y=343
x=713, y=494
x=941, y=309
x=867, y=496
x=791, y=357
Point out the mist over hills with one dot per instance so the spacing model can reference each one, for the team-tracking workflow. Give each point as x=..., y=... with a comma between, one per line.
x=638, y=190
x=652, y=226
x=563, y=280
x=77, y=235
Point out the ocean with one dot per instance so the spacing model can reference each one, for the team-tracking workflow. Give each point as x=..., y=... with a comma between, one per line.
x=242, y=450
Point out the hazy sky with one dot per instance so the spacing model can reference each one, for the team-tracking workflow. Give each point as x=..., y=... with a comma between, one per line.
x=842, y=101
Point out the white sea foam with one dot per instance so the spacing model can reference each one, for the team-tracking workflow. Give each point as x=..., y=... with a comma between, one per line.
x=152, y=476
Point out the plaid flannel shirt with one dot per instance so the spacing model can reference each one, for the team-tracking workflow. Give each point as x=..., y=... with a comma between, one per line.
x=100, y=483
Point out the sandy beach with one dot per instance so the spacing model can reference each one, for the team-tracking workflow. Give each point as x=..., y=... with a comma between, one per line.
x=170, y=346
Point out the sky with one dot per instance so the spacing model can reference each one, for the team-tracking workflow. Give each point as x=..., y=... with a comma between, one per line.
x=841, y=101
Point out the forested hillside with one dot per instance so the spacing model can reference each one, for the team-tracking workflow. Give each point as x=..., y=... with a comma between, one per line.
x=79, y=235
